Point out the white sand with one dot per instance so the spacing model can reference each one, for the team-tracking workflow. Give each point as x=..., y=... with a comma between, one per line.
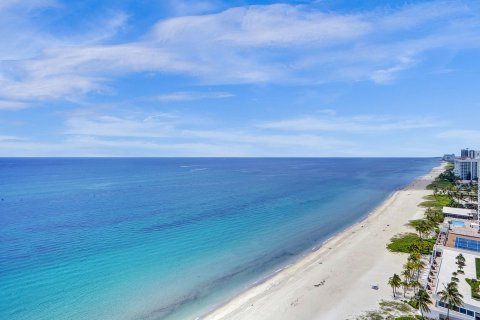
x=348, y=263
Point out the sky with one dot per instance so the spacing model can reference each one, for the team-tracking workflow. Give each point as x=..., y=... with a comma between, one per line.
x=242, y=78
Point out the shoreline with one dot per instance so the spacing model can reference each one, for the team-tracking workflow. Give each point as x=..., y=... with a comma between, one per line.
x=270, y=296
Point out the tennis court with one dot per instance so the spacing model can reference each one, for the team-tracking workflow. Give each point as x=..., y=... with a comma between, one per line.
x=467, y=244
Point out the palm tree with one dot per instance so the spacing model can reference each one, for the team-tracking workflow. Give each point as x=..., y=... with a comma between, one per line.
x=460, y=263
x=451, y=296
x=415, y=285
x=435, y=216
x=419, y=265
x=422, y=227
x=395, y=281
x=405, y=285
x=407, y=275
x=410, y=267
x=423, y=301
x=415, y=256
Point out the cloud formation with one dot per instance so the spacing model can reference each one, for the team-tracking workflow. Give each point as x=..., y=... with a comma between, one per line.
x=191, y=96
x=361, y=124
x=276, y=43
x=12, y=105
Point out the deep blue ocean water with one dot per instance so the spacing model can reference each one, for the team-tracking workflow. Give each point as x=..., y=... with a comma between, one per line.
x=166, y=238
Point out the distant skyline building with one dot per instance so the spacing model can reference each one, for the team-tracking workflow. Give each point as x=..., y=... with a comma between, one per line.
x=449, y=157
x=469, y=153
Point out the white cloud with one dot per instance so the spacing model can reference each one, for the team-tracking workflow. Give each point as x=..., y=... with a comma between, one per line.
x=466, y=137
x=12, y=105
x=191, y=96
x=361, y=124
x=262, y=26
x=388, y=74
x=167, y=130
x=85, y=146
x=277, y=43
x=173, y=134
x=109, y=126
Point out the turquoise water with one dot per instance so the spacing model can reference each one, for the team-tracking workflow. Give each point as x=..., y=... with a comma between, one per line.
x=169, y=238
x=457, y=223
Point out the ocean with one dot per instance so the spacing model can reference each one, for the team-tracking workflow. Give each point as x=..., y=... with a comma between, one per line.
x=170, y=238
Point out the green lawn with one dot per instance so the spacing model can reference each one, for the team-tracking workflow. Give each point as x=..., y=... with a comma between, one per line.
x=477, y=267
x=475, y=288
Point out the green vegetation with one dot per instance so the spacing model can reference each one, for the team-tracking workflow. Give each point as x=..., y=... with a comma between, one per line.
x=477, y=267
x=423, y=301
x=439, y=200
x=410, y=242
x=460, y=264
x=443, y=184
x=444, y=181
x=395, y=282
x=389, y=306
x=422, y=226
x=475, y=288
x=391, y=310
x=446, y=192
x=451, y=296
x=434, y=215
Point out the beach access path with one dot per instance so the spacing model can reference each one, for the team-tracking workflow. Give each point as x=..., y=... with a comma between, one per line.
x=334, y=282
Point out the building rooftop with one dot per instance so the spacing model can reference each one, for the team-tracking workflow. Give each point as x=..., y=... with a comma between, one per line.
x=460, y=212
x=448, y=266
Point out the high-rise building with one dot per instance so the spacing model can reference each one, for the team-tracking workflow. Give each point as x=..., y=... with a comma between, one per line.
x=466, y=169
x=464, y=153
x=471, y=154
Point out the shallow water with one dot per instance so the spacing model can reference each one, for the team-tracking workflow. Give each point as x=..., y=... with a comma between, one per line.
x=169, y=238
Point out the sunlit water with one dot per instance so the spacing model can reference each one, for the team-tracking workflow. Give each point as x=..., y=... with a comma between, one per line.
x=169, y=238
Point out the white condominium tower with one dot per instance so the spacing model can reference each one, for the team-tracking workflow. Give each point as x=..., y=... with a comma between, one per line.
x=466, y=169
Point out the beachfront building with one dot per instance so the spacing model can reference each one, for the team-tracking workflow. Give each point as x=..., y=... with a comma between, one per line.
x=471, y=307
x=456, y=236
x=466, y=168
x=459, y=213
x=449, y=157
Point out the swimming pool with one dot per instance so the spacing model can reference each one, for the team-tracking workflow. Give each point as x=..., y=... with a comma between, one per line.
x=457, y=223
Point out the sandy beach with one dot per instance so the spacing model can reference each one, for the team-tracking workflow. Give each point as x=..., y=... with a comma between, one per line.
x=334, y=281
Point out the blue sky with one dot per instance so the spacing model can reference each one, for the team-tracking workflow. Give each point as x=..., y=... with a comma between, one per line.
x=239, y=78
